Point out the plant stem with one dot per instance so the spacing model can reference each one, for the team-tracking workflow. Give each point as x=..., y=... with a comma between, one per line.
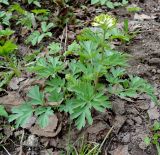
x=103, y=42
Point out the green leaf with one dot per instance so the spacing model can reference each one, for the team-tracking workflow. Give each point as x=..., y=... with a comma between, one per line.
x=3, y=111
x=21, y=114
x=7, y=48
x=55, y=97
x=37, y=98
x=55, y=84
x=43, y=113
x=6, y=32
x=94, y=1
x=147, y=141
x=110, y=4
x=4, y=2
x=156, y=126
x=54, y=48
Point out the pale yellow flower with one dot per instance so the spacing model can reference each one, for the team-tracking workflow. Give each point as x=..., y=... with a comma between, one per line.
x=104, y=20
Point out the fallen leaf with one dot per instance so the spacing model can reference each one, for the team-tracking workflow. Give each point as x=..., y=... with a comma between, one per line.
x=30, y=122
x=143, y=17
x=11, y=100
x=14, y=83
x=97, y=127
x=120, y=150
x=153, y=113
x=51, y=130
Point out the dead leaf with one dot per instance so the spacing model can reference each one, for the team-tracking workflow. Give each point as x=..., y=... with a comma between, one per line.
x=30, y=122
x=11, y=100
x=118, y=122
x=121, y=150
x=153, y=113
x=143, y=17
x=14, y=83
x=50, y=131
x=96, y=128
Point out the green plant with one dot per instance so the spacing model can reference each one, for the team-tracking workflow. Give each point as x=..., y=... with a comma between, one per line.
x=36, y=36
x=133, y=8
x=155, y=138
x=109, y=3
x=28, y=20
x=35, y=2
x=74, y=80
x=9, y=64
x=4, y=2
x=3, y=112
x=5, y=17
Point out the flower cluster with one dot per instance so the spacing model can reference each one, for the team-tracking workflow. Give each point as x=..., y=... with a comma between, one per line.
x=105, y=21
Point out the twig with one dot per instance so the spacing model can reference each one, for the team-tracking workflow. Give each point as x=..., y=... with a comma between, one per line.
x=62, y=37
x=21, y=144
x=66, y=38
x=105, y=139
x=6, y=150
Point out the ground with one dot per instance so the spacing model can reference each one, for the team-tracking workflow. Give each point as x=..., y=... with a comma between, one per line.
x=131, y=120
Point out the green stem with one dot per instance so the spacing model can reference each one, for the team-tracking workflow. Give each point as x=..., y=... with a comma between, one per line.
x=103, y=42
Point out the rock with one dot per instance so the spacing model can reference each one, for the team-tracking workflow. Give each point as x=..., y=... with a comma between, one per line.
x=118, y=123
x=154, y=61
x=132, y=110
x=130, y=122
x=138, y=120
x=118, y=106
x=142, y=145
x=126, y=138
x=96, y=128
x=143, y=105
x=32, y=141
x=121, y=150
x=153, y=113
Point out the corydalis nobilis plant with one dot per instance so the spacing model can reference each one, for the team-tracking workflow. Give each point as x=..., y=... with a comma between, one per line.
x=93, y=72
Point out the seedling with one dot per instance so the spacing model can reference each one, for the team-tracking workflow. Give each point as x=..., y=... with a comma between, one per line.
x=7, y=48
x=154, y=139
x=5, y=17
x=36, y=37
x=133, y=8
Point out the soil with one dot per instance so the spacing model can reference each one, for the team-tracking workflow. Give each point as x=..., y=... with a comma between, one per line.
x=131, y=120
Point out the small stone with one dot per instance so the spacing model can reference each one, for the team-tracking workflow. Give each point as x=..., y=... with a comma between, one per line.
x=153, y=113
x=153, y=70
x=158, y=71
x=126, y=138
x=142, y=145
x=138, y=120
x=118, y=123
x=118, y=106
x=130, y=122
